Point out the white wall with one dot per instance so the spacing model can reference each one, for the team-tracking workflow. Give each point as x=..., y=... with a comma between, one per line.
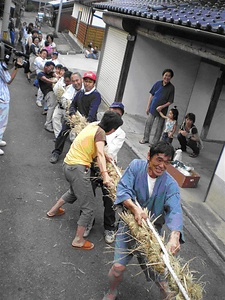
x=150, y=58
x=97, y=20
x=218, y=121
x=76, y=9
x=85, y=12
x=220, y=170
x=202, y=92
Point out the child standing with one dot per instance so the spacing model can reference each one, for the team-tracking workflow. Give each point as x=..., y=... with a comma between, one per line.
x=171, y=124
x=48, y=48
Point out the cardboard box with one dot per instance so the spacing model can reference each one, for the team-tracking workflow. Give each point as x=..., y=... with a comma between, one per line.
x=182, y=180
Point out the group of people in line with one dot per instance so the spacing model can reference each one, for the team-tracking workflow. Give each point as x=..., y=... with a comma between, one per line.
x=145, y=181
x=161, y=97
x=32, y=43
x=79, y=171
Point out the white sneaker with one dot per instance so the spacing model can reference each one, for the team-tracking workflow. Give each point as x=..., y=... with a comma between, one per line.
x=109, y=236
x=2, y=143
x=1, y=152
x=89, y=227
x=39, y=104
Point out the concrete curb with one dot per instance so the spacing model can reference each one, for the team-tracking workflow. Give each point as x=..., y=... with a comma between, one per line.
x=206, y=233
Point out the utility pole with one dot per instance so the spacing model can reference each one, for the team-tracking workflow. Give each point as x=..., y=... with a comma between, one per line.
x=58, y=17
x=5, y=20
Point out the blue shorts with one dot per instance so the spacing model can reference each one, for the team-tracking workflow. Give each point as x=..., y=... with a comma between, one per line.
x=125, y=246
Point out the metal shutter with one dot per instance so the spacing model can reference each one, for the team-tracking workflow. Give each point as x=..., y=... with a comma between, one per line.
x=111, y=64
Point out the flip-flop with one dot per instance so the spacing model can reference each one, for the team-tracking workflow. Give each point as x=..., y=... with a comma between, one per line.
x=86, y=246
x=60, y=212
x=108, y=297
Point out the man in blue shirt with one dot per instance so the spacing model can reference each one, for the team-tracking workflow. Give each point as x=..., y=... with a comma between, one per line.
x=86, y=102
x=161, y=96
x=152, y=187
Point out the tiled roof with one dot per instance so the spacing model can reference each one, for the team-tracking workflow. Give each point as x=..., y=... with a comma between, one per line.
x=204, y=15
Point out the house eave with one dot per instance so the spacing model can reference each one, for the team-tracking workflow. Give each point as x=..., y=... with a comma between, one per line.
x=196, y=41
x=157, y=23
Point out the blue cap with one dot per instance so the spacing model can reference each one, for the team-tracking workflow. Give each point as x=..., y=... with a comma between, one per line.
x=117, y=105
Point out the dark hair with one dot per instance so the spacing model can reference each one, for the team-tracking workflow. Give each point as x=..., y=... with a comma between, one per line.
x=34, y=31
x=34, y=38
x=162, y=147
x=169, y=71
x=65, y=69
x=42, y=50
x=47, y=43
x=191, y=117
x=49, y=63
x=175, y=113
x=59, y=66
x=51, y=36
x=67, y=74
x=110, y=120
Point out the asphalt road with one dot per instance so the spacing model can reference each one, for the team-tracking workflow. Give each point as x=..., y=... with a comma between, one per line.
x=37, y=259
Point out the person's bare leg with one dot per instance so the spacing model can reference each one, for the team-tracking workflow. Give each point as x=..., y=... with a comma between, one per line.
x=165, y=293
x=115, y=277
x=79, y=240
x=55, y=207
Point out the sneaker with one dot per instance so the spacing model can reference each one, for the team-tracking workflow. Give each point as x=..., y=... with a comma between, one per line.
x=2, y=143
x=1, y=152
x=49, y=129
x=39, y=104
x=109, y=236
x=89, y=227
x=54, y=158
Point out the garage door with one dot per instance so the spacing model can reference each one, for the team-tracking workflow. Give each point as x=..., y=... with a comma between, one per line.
x=111, y=63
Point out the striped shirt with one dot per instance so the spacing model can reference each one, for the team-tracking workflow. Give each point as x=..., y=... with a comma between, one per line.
x=5, y=77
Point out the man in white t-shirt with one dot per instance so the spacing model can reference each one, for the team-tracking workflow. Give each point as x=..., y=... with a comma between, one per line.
x=39, y=64
x=114, y=142
x=63, y=91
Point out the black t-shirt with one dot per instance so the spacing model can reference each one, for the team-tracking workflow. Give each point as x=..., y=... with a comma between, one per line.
x=44, y=86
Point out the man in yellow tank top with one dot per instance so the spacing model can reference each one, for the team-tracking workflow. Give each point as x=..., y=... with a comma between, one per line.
x=89, y=144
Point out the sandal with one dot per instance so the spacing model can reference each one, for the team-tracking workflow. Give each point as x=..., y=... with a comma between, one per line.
x=112, y=297
x=143, y=142
x=86, y=246
x=58, y=213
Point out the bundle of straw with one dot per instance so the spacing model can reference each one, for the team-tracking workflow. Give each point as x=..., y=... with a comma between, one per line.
x=59, y=92
x=77, y=122
x=114, y=175
x=148, y=245
x=193, y=286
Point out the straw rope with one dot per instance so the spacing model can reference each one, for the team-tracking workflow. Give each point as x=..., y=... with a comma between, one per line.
x=180, y=278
